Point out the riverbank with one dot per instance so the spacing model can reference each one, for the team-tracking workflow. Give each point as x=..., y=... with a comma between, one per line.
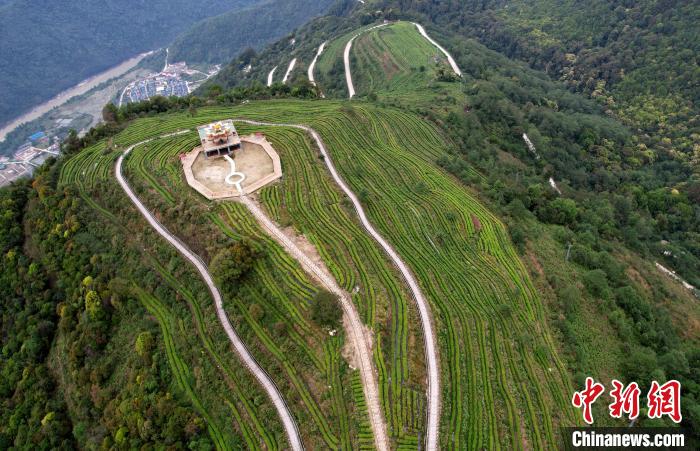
x=79, y=89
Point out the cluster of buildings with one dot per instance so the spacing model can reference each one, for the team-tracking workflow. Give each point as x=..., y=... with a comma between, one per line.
x=175, y=80
x=155, y=85
x=28, y=157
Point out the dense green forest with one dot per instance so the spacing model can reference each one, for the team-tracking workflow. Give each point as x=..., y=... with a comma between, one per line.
x=638, y=59
x=71, y=372
x=47, y=47
x=221, y=38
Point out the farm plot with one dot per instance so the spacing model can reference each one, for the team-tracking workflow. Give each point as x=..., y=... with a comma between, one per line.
x=313, y=205
x=305, y=361
x=504, y=380
x=394, y=58
x=330, y=66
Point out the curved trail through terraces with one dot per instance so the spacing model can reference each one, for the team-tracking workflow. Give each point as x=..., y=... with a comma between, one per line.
x=346, y=59
x=451, y=60
x=423, y=306
x=288, y=422
x=361, y=345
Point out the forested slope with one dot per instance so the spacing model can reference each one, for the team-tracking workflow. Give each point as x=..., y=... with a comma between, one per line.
x=221, y=38
x=46, y=47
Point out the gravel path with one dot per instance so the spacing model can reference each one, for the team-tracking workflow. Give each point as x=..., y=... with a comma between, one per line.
x=346, y=59
x=270, y=75
x=451, y=60
x=423, y=306
x=292, y=63
x=313, y=63
x=288, y=422
x=356, y=332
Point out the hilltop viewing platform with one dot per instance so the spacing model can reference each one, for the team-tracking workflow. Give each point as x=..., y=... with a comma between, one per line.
x=226, y=165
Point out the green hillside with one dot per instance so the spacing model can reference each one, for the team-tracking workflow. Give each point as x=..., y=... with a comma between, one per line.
x=605, y=210
x=480, y=262
x=221, y=38
x=538, y=261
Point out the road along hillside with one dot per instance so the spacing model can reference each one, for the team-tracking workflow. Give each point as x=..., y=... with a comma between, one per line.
x=356, y=332
x=288, y=422
x=423, y=306
x=346, y=59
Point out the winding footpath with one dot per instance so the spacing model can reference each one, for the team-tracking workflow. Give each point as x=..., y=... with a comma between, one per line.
x=270, y=75
x=313, y=63
x=361, y=345
x=346, y=59
x=429, y=336
x=451, y=60
x=288, y=422
x=292, y=63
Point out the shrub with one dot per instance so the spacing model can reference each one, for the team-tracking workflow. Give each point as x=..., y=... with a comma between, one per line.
x=597, y=283
x=144, y=343
x=232, y=263
x=326, y=310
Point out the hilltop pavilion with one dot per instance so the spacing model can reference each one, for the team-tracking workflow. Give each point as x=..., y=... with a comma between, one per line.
x=219, y=138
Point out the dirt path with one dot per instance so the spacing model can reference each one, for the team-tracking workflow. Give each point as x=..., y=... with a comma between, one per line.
x=270, y=75
x=348, y=75
x=288, y=422
x=356, y=332
x=292, y=63
x=431, y=353
x=451, y=60
x=346, y=59
x=313, y=63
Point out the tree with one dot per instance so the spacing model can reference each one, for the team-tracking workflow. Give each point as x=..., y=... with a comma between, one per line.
x=231, y=264
x=144, y=344
x=93, y=304
x=518, y=236
x=597, y=283
x=326, y=310
x=110, y=113
x=559, y=211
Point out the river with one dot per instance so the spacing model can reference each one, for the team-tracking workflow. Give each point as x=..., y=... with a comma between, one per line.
x=80, y=88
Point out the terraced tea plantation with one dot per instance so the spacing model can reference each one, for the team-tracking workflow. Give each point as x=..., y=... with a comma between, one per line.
x=503, y=383
x=394, y=58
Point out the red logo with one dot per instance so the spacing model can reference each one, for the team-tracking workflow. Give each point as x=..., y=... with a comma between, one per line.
x=665, y=400
x=662, y=399
x=585, y=398
x=625, y=401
